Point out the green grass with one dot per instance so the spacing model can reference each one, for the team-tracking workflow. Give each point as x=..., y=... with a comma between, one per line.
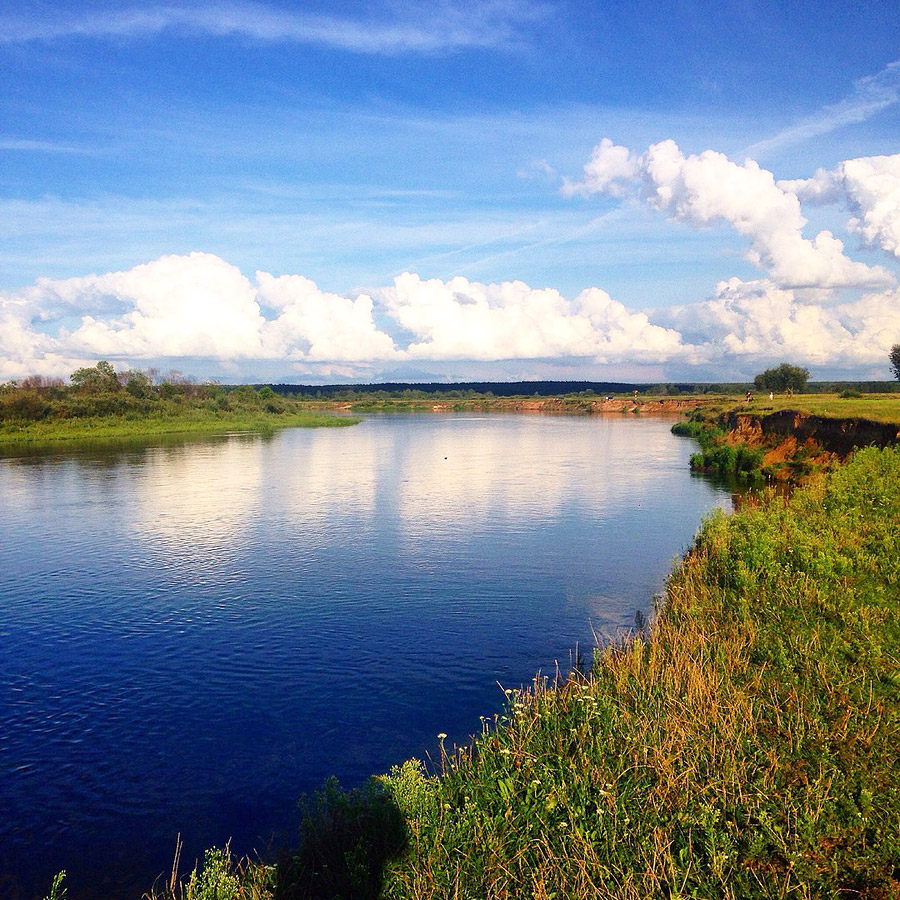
x=129, y=406
x=95, y=428
x=874, y=407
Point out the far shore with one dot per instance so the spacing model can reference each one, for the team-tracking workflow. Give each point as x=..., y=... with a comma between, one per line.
x=100, y=403
x=881, y=407
x=117, y=428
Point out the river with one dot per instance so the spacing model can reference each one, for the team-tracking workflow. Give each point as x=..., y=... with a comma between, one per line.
x=194, y=633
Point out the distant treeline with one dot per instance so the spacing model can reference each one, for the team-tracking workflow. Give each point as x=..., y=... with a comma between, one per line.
x=472, y=389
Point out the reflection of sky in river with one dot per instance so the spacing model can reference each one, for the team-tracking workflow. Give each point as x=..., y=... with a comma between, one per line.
x=467, y=473
x=193, y=634
x=197, y=501
x=460, y=472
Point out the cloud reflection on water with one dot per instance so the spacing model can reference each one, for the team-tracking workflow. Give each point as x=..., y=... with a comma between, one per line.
x=458, y=473
x=468, y=473
x=199, y=501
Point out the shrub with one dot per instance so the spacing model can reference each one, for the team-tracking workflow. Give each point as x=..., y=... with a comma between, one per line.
x=346, y=839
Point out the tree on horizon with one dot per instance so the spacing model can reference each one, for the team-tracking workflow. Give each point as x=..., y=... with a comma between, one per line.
x=782, y=378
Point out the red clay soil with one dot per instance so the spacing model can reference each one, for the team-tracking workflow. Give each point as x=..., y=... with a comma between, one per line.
x=818, y=440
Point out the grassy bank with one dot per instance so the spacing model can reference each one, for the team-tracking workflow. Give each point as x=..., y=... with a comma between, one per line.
x=102, y=404
x=881, y=407
x=746, y=745
x=94, y=428
x=846, y=405
x=738, y=438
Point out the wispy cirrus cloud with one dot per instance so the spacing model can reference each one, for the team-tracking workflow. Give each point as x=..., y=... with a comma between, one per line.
x=431, y=28
x=871, y=95
x=31, y=146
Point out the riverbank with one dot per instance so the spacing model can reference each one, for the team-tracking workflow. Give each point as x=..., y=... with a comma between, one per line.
x=563, y=405
x=118, y=428
x=711, y=407
x=743, y=745
x=103, y=405
x=883, y=408
x=790, y=438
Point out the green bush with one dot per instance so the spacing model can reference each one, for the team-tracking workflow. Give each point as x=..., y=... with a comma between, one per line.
x=740, y=461
x=346, y=841
x=411, y=787
x=216, y=879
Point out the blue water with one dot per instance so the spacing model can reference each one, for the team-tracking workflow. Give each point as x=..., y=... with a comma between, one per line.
x=192, y=635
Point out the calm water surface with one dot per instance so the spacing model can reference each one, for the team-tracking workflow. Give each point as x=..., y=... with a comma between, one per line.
x=191, y=636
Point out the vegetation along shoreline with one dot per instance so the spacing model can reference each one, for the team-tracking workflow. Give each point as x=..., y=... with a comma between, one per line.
x=101, y=404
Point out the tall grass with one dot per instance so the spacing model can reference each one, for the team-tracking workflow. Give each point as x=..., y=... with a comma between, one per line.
x=221, y=876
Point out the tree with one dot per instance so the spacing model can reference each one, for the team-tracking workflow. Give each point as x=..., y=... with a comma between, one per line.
x=101, y=377
x=138, y=384
x=782, y=378
x=895, y=360
x=41, y=383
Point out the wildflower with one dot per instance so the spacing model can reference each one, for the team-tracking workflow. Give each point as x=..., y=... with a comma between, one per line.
x=442, y=736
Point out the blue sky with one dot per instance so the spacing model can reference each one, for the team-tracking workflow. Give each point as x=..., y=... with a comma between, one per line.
x=410, y=181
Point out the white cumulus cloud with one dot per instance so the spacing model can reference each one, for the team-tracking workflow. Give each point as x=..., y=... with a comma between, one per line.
x=22, y=346
x=195, y=305
x=758, y=320
x=460, y=319
x=199, y=308
x=870, y=187
x=610, y=169
x=707, y=188
x=319, y=326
